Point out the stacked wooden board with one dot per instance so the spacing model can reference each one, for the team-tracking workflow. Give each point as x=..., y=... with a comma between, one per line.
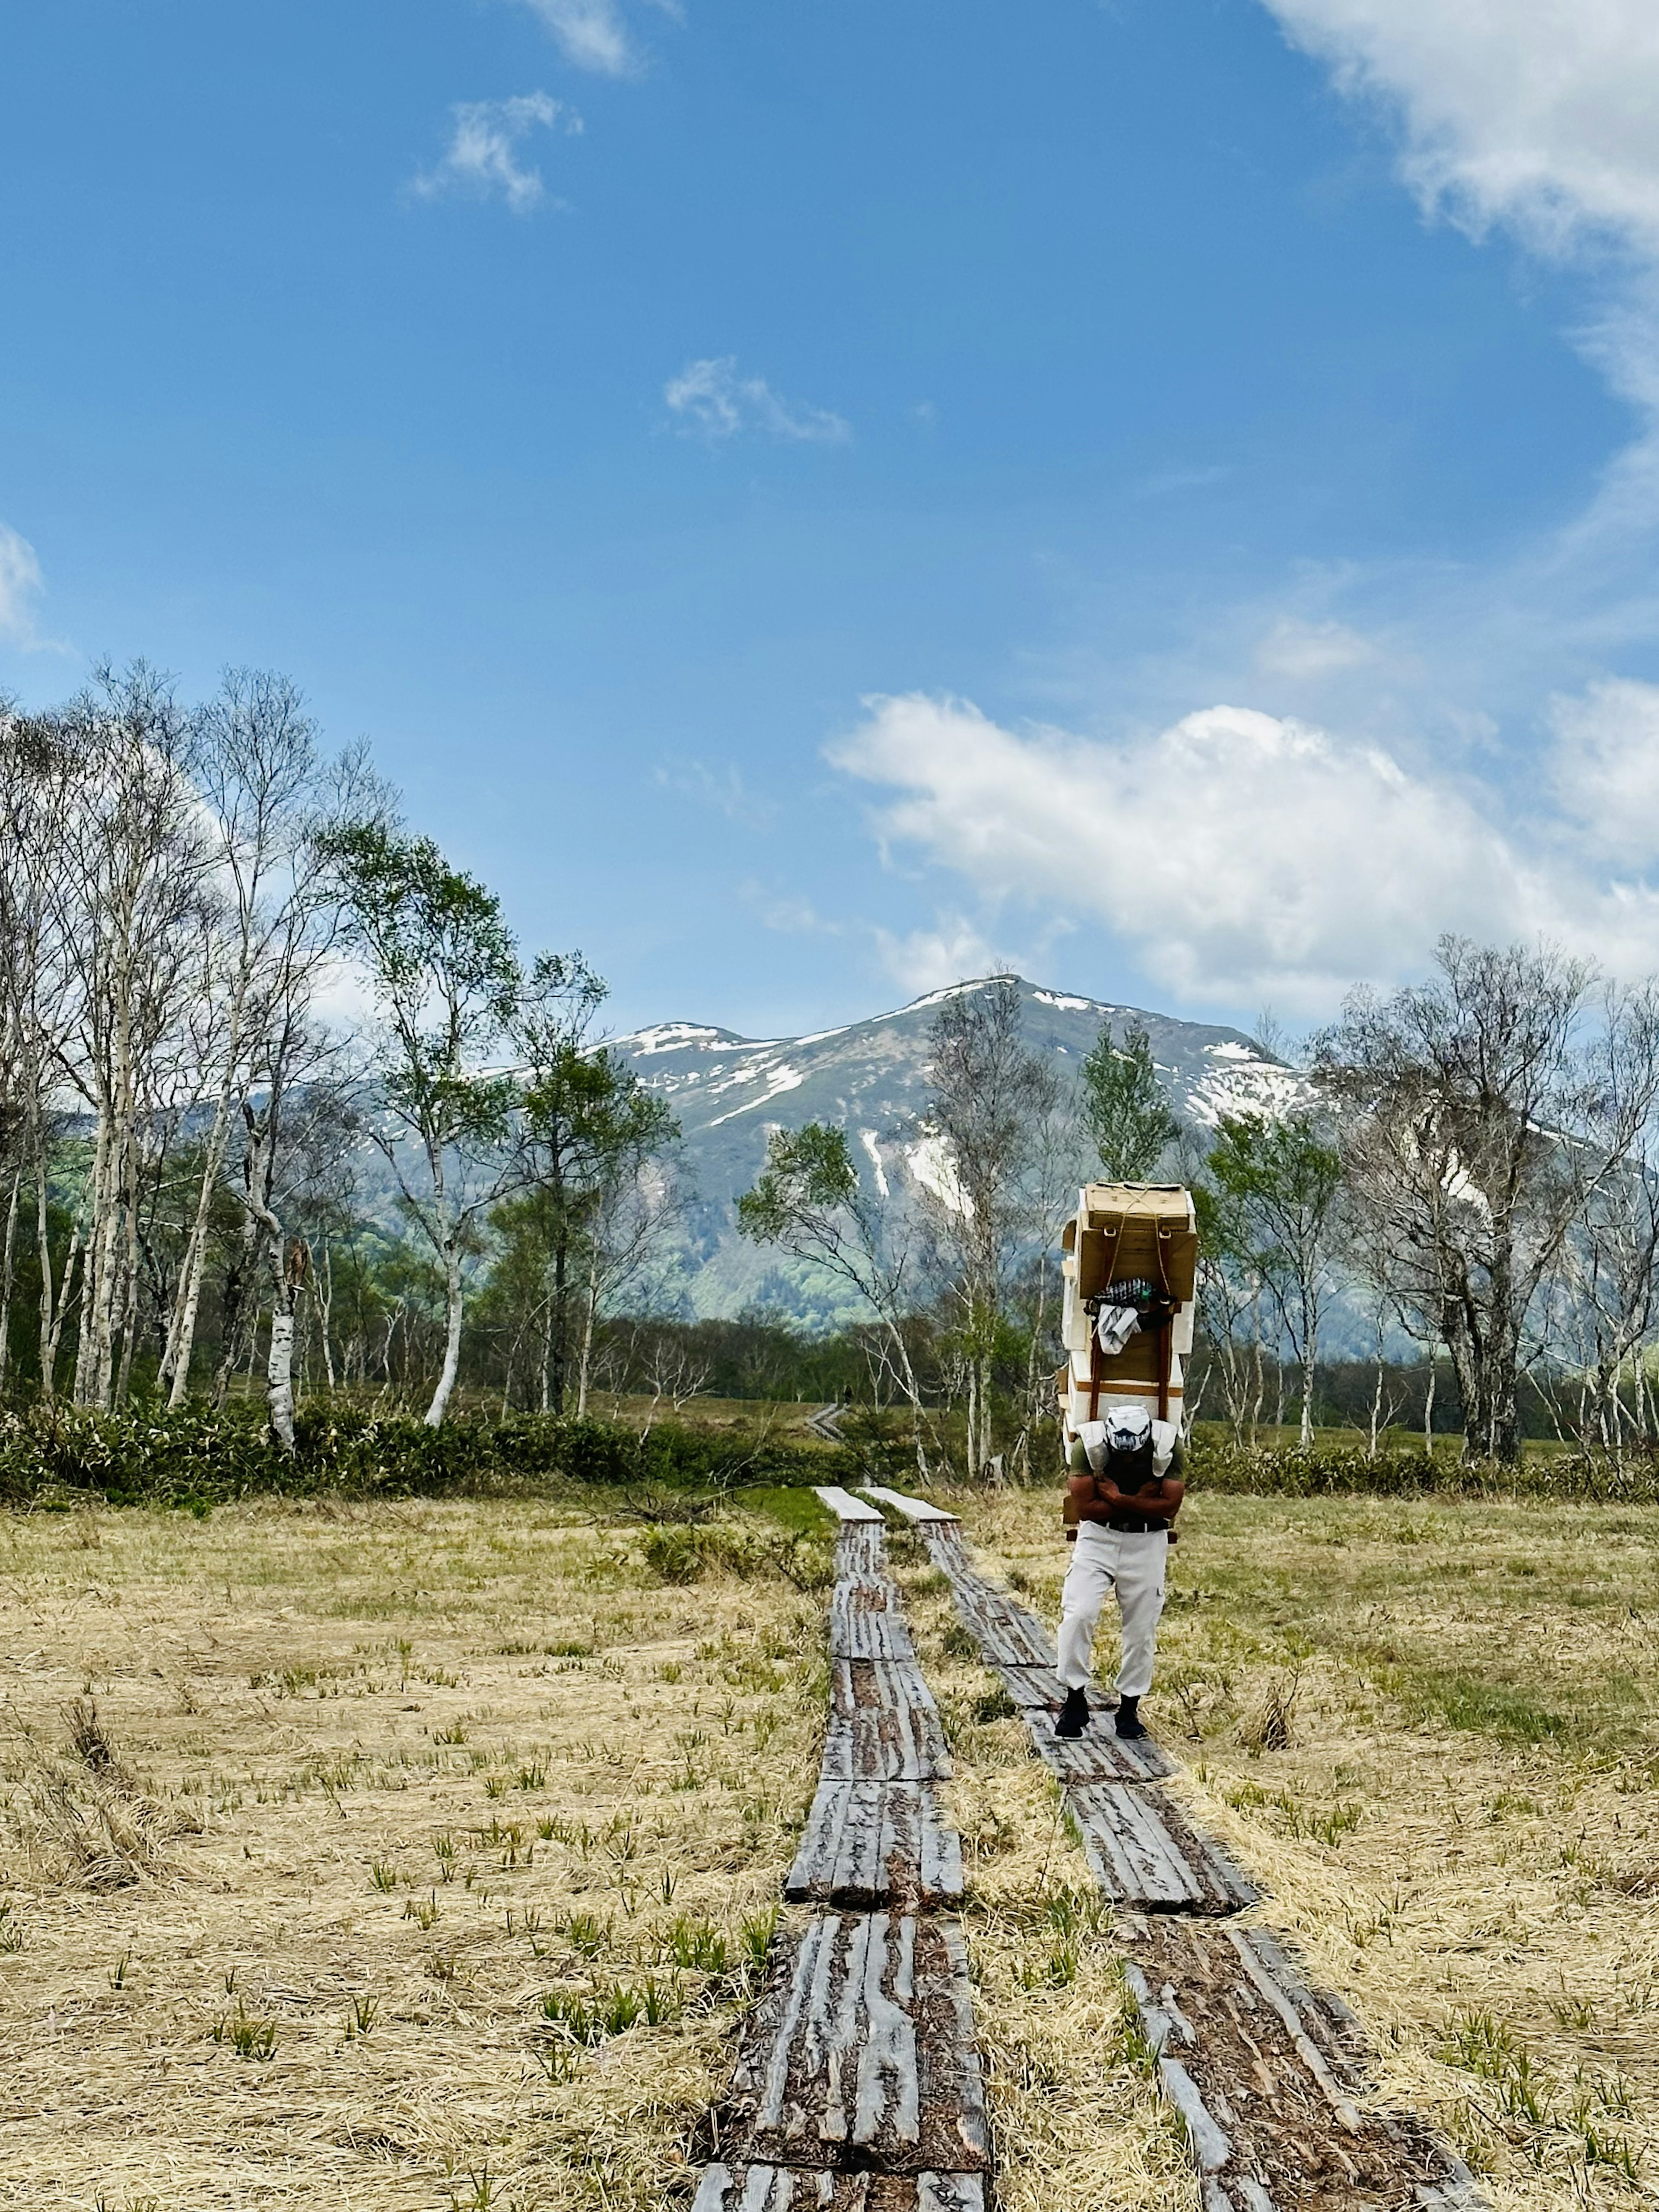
x=1123, y=1235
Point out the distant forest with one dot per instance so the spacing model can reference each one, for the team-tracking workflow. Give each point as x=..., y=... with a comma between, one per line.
x=285, y=1107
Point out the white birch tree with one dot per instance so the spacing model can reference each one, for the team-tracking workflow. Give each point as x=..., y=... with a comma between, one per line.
x=441, y=964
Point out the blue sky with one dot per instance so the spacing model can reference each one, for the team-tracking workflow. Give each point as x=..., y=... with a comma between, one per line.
x=812, y=501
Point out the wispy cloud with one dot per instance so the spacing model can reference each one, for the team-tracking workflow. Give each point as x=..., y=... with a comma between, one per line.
x=592, y=34
x=1303, y=650
x=481, y=161
x=21, y=585
x=788, y=913
x=723, y=788
x=711, y=401
x=1537, y=115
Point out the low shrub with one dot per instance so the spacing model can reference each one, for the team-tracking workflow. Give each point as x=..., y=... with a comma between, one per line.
x=1327, y=1470
x=55, y=1456
x=680, y=1553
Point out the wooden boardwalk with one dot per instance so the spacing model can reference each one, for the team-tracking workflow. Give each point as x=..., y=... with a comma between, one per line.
x=857, y=2087
x=1270, y=2077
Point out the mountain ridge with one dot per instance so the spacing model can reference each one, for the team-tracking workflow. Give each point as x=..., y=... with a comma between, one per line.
x=872, y=1078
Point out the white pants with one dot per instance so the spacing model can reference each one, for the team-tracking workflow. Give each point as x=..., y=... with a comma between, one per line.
x=1107, y=1559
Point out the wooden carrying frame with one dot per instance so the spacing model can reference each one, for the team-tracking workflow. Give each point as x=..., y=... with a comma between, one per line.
x=1128, y=1234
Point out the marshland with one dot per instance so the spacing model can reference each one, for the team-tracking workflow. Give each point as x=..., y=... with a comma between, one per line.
x=420, y=1853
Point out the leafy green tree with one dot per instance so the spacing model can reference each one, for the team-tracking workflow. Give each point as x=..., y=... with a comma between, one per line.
x=445, y=977
x=993, y=1102
x=586, y=1123
x=1281, y=1183
x=1124, y=1107
x=810, y=1203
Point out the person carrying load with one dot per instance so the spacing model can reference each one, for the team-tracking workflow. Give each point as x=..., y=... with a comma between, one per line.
x=1128, y=1266
x=1125, y=1490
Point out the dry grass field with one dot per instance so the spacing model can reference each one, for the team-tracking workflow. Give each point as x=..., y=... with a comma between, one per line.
x=405, y=1858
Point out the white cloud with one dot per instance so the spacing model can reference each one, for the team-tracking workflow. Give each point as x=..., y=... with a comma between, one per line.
x=482, y=157
x=20, y=585
x=591, y=35
x=1245, y=857
x=1607, y=766
x=931, y=959
x=712, y=401
x=1536, y=113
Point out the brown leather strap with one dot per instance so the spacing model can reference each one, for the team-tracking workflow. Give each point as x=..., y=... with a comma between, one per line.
x=1165, y=1336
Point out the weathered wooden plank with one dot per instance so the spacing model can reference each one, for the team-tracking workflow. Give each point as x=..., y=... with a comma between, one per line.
x=861, y=1552
x=1270, y=2077
x=844, y=1505
x=1099, y=1754
x=876, y=1844
x=860, y=2053
x=1009, y=1634
x=858, y=1631
x=1144, y=1852
x=1006, y=1634
x=822, y=2189
x=883, y=1724
x=914, y=1509
x=1036, y=1690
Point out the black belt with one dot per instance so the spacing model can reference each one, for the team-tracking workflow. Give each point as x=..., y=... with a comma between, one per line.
x=1124, y=1526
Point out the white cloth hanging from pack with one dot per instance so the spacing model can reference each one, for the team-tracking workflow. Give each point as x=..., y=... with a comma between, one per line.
x=1113, y=1326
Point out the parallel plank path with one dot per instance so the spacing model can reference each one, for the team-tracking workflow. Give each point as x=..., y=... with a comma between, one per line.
x=858, y=2086
x=1269, y=2075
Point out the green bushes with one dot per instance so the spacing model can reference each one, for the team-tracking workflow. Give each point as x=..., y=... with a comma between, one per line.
x=54, y=1455
x=1324, y=1470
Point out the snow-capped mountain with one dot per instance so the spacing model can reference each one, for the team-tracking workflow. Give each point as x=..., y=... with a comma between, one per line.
x=873, y=1078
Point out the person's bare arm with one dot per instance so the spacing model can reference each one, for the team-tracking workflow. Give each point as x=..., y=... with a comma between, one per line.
x=1088, y=1495
x=1098, y=1497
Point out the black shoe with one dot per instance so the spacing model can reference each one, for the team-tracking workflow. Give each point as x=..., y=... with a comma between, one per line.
x=1073, y=1717
x=1128, y=1718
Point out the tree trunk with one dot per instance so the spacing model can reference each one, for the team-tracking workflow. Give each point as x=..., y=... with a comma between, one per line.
x=50, y=1323
x=181, y=1329
x=453, y=1301
x=53, y=1339
x=1310, y=1368
x=324, y=1294
x=237, y=1276
x=556, y=1319
x=7, y=1263
x=92, y=1272
x=181, y=1332
x=590, y=1313
x=913, y=1391
x=279, y=1377
x=130, y=1286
